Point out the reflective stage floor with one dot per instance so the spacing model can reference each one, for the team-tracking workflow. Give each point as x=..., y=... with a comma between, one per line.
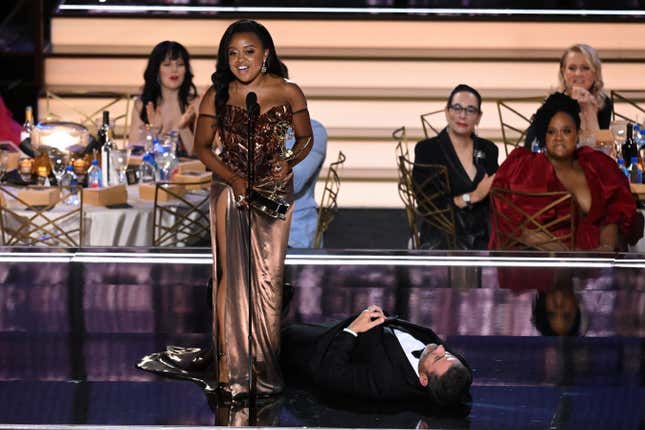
x=72, y=329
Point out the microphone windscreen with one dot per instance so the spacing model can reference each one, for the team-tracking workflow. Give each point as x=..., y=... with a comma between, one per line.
x=252, y=106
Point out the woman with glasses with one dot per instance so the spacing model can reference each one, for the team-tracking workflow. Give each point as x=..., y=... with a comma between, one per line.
x=471, y=163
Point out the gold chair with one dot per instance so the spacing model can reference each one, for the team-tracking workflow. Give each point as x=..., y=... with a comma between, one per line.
x=23, y=224
x=60, y=107
x=425, y=201
x=425, y=191
x=179, y=220
x=428, y=129
x=402, y=151
x=513, y=122
x=548, y=217
x=628, y=105
x=329, y=200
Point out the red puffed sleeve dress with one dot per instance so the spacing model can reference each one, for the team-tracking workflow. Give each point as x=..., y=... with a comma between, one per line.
x=611, y=198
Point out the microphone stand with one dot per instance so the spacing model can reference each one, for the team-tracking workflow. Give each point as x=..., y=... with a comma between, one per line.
x=252, y=110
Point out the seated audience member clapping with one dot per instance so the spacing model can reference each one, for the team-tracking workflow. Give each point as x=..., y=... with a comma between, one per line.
x=606, y=212
x=580, y=78
x=169, y=98
x=305, y=174
x=471, y=163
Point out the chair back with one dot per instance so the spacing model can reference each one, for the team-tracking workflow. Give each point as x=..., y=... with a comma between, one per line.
x=425, y=192
x=544, y=221
x=181, y=213
x=86, y=108
x=52, y=225
x=629, y=105
x=429, y=130
x=329, y=201
x=514, y=118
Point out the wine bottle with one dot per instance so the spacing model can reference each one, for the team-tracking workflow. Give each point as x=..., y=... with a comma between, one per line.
x=28, y=126
x=629, y=148
x=105, y=136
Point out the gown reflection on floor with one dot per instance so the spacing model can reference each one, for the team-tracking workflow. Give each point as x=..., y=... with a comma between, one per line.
x=71, y=334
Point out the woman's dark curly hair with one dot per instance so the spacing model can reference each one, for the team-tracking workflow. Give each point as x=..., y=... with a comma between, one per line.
x=223, y=75
x=152, y=86
x=556, y=102
x=540, y=318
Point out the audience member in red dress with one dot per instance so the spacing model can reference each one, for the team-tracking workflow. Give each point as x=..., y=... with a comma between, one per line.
x=9, y=128
x=606, y=212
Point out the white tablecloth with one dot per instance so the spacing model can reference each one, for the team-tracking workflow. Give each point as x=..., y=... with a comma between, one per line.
x=124, y=227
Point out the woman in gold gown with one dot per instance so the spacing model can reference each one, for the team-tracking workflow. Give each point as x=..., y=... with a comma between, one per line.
x=247, y=62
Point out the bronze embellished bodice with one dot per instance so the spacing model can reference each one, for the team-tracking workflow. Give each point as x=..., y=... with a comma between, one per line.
x=266, y=136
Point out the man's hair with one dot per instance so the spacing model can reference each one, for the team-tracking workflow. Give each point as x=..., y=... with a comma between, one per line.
x=452, y=388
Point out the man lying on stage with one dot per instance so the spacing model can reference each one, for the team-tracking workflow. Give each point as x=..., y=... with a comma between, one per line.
x=375, y=357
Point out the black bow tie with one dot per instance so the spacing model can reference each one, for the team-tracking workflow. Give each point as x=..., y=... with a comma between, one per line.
x=417, y=353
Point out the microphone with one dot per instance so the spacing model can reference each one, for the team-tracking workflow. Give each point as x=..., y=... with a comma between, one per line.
x=252, y=106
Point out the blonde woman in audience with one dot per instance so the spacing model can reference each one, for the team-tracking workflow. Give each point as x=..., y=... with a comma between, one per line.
x=169, y=99
x=581, y=79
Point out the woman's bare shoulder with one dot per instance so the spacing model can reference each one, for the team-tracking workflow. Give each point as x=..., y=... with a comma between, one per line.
x=207, y=103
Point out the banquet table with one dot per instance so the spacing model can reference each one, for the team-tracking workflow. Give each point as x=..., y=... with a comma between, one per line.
x=123, y=226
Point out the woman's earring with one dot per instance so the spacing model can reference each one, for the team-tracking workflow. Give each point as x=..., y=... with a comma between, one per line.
x=264, y=66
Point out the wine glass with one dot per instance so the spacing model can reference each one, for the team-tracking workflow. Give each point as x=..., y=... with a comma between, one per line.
x=59, y=161
x=619, y=131
x=120, y=158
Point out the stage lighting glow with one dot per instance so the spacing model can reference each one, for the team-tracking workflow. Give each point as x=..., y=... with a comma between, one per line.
x=347, y=10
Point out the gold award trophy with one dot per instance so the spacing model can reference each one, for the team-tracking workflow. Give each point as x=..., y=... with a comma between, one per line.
x=272, y=204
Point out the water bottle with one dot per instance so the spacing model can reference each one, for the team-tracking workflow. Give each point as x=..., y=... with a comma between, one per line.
x=69, y=184
x=94, y=175
x=621, y=166
x=638, y=135
x=535, y=146
x=147, y=169
x=635, y=172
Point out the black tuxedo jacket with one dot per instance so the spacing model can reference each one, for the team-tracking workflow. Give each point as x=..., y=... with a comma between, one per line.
x=372, y=366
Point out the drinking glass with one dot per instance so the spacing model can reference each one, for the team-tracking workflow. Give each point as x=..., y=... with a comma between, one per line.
x=120, y=158
x=166, y=160
x=619, y=131
x=25, y=167
x=59, y=161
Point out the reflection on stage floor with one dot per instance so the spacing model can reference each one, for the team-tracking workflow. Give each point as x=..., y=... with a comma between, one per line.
x=72, y=332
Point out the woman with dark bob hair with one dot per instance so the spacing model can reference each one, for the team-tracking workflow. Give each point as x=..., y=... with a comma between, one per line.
x=169, y=98
x=247, y=63
x=605, y=210
x=471, y=163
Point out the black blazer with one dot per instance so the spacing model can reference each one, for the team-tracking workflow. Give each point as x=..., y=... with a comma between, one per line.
x=472, y=224
x=371, y=366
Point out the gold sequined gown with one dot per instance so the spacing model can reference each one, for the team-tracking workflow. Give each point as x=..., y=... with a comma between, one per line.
x=269, y=237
